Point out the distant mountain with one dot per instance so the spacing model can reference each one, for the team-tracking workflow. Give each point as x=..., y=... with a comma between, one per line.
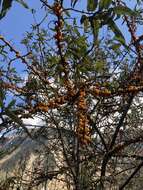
x=25, y=159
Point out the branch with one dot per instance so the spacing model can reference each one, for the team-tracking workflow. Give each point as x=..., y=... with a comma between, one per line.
x=109, y=154
x=131, y=176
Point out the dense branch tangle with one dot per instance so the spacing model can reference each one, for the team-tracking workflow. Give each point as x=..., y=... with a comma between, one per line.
x=73, y=94
x=83, y=130
x=78, y=98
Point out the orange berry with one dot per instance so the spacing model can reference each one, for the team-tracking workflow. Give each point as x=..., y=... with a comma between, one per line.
x=18, y=55
x=57, y=9
x=82, y=93
x=132, y=88
x=106, y=92
x=96, y=91
x=58, y=36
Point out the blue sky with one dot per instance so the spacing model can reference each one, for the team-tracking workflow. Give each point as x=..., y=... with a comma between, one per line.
x=18, y=20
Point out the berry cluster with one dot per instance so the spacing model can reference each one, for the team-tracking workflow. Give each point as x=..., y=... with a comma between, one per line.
x=52, y=104
x=57, y=9
x=102, y=92
x=83, y=130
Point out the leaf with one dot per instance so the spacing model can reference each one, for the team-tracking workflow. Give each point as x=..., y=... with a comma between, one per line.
x=6, y=5
x=104, y=4
x=86, y=25
x=2, y=97
x=118, y=34
x=95, y=25
x=22, y=2
x=91, y=5
x=99, y=187
x=73, y=3
x=121, y=10
x=1, y=103
x=11, y=104
x=99, y=66
x=83, y=18
x=67, y=13
x=115, y=46
x=13, y=116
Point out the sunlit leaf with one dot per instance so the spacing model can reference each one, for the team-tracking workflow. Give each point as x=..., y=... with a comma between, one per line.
x=104, y=4
x=121, y=10
x=115, y=46
x=118, y=34
x=91, y=5
x=96, y=26
x=100, y=65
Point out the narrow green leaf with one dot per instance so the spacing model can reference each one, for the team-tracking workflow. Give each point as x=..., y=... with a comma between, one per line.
x=2, y=97
x=1, y=103
x=67, y=13
x=86, y=25
x=115, y=46
x=121, y=10
x=118, y=34
x=91, y=5
x=100, y=65
x=95, y=27
x=104, y=4
x=22, y=2
x=11, y=104
x=6, y=5
x=83, y=18
x=73, y=2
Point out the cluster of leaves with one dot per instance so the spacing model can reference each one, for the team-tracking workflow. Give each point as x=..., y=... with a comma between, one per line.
x=106, y=13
